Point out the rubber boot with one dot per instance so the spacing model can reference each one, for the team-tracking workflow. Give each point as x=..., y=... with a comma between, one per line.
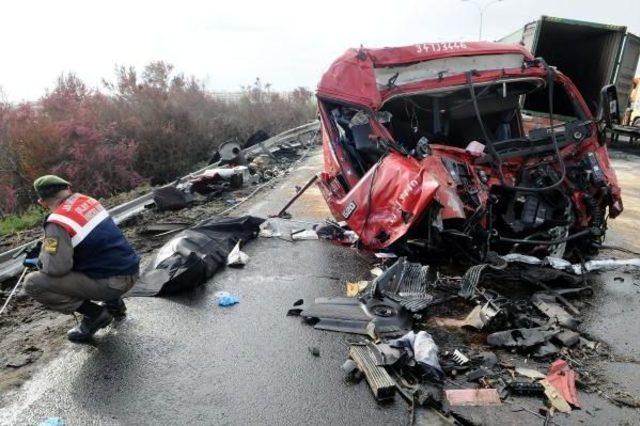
x=116, y=308
x=84, y=331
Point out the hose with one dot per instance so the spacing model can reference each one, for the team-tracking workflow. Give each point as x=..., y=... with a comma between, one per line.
x=544, y=242
x=494, y=153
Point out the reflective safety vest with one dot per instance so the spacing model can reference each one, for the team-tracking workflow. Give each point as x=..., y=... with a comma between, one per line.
x=100, y=250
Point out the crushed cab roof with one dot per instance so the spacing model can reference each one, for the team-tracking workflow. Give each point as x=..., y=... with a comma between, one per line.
x=352, y=77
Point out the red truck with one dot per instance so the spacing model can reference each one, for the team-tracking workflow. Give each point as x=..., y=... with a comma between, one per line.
x=441, y=150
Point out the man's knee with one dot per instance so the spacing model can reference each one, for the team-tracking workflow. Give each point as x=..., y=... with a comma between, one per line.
x=49, y=291
x=34, y=283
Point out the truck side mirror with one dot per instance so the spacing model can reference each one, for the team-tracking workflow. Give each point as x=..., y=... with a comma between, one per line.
x=609, y=111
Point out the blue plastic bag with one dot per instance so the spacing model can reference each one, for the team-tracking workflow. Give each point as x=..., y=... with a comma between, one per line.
x=52, y=421
x=225, y=299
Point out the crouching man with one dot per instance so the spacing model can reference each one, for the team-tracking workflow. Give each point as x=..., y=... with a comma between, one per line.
x=84, y=257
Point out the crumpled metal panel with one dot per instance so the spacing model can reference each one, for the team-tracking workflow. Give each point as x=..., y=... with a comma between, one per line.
x=349, y=315
x=407, y=283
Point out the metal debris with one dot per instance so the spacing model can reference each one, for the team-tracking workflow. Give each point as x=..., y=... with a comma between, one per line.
x=522, y=337
x=546, y=303
x=380, y=382
x=578, y=269
x=406, y=283
x=349, y=315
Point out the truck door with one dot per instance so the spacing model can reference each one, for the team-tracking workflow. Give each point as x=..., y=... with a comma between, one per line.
x=627, y=63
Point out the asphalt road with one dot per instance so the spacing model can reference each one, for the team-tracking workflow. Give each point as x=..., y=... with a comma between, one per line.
x=184, y=360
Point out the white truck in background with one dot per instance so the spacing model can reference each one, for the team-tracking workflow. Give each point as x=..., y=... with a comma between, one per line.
x=593, y=55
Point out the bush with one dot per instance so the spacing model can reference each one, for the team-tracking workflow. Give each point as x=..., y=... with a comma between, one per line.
x=148, y=128
x=28, y=219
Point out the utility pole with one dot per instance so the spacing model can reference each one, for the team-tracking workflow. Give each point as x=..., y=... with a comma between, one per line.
x=481, y=10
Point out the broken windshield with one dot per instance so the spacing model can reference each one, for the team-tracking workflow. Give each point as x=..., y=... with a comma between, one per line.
x=448, y=117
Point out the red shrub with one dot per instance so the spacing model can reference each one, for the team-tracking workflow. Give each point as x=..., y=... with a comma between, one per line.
x=155, y=127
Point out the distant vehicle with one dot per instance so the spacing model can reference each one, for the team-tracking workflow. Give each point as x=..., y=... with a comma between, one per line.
x=634, y=113
x=591, y=54
x=634, y=118
x=457, y=150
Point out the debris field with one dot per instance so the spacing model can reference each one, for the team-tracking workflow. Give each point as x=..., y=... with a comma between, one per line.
x=480, y=193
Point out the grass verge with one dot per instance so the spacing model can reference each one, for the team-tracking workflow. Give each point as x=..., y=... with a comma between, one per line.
x=13, y=223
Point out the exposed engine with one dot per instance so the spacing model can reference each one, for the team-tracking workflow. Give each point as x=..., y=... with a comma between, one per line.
x=500, y=161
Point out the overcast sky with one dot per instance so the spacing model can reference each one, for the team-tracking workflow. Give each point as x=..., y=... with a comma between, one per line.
x=230, y=43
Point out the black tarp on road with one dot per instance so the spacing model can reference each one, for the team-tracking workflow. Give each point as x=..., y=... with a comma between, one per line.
x=193, y=256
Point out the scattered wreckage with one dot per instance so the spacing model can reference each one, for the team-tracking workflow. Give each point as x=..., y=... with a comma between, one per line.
x=444, y=149
x=408, y=307
x=194, y=255
x=234, y=169
x=454, y=154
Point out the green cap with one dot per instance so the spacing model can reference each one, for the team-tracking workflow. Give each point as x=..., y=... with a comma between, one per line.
x=49, y=185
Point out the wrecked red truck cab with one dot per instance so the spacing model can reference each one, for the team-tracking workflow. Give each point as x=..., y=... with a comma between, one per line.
x=463, y=148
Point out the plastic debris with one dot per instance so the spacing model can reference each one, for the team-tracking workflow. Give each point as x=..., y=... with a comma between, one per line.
x=479, y=374
x=314, y=351
x=459, y=357
x=472, y=397
x=546, y=350
x=335, y=231
x=530, y=373
x=555, y=398
x=563, y=378
x=366, y=315
x=480, y=316
x=237, y=257
x=171, y=198
x=351, y=371
x=304, y=234
x=521, y=337
x=424, y=349
x=546, y=303
x=388, y=355
x=52, y=421
x=385, y=255
x=567, y=338
x=355, y=288
x=488, y=359
x=223, y=298
x=407, y=283
x=523, y=388
x=268, y=230
x=376, y=272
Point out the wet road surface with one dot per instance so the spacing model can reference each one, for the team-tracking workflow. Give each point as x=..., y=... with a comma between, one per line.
x=184, y=360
